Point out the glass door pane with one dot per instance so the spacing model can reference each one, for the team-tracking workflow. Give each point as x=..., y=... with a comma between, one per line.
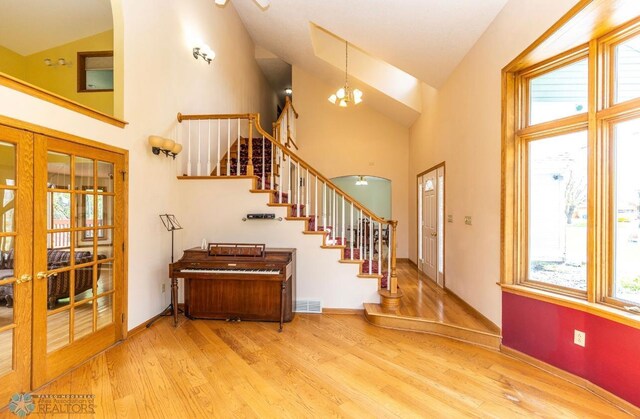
x=16, y=221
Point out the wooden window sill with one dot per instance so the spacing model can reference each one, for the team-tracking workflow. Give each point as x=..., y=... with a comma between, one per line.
x=597, y=309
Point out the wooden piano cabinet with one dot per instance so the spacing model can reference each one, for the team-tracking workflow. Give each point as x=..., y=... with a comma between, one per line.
x=256, y=299
x=237, y=296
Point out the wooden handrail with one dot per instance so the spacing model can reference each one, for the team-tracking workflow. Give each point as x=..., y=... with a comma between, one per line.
x=182, y=117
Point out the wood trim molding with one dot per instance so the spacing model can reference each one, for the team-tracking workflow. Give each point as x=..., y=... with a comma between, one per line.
x=38, y=129
x=37, y=92
x=573, y=379
x=328, y=310
x=597, y=309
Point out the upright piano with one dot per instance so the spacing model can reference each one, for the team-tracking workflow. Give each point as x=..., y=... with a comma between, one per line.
x=232, y=281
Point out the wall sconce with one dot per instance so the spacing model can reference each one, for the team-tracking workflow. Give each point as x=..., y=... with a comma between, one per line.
x=288, y=91
x=205, y=53
x=61, y=62
x=164, y=145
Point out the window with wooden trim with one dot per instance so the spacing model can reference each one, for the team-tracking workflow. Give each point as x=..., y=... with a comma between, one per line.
x=571, y=172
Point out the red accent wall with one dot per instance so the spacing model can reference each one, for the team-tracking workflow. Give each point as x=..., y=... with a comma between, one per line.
x=610, y=359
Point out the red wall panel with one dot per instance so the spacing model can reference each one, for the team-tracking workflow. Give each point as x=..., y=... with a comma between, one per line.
x=610, y=358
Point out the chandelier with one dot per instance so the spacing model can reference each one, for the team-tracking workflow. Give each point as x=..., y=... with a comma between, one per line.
x=345, y=96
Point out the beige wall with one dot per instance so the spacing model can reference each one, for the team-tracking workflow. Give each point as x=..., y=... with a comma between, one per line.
x=352, y=141
x=161, y=78
x=460, y=125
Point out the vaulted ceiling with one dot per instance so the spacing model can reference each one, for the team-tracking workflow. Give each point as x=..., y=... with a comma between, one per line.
x=424, y=38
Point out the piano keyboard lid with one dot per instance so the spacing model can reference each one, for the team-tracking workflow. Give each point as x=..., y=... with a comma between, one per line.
x=237, y=250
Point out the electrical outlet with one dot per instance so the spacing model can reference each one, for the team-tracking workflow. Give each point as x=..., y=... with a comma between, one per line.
x=467, y=220
x=450, y=218
x=163, y=288
x=579, y=338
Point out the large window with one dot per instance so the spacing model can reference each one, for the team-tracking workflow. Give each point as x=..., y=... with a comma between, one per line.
x=571, y=162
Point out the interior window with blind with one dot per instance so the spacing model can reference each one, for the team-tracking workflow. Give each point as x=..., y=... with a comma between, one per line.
x=95, y=71
x=559, y=93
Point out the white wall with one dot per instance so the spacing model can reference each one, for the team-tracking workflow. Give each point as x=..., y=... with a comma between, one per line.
x=161, y=78
x=353, y=141
x=460, y=125
x=218, y=218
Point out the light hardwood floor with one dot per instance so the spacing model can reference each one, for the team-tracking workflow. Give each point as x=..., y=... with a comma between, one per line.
x=425, y=307
x=320, y=366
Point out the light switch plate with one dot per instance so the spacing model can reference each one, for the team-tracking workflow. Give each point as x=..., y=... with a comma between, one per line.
x=450, y=218
x=467, y=220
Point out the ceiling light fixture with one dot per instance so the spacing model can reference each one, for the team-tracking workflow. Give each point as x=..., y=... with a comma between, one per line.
x=361, y=181
x=262, y=3
x=288, y=91
x=345, y=96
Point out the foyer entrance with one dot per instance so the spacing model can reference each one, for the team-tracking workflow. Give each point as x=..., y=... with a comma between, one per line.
x=431, y=224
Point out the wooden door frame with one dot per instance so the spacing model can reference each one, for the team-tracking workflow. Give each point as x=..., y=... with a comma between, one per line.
x=37, y=129
x=23, y=263
x=444, y=225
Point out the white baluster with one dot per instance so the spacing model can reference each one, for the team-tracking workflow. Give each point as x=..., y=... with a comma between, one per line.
x=334, y=216
x=219, y=159
x=298, y=187
x=289, y=180
x=380, y=248
x=271, y=184
x=239, y=163
x=360, y=234
x=343, y=235
x=189, y=152
x=280, y=170
x=351, y=231
x=209, y=152
x=370, y=245
x=315, y=203
x=307, y=201
x=324, y=206
x=264, y=150
x=389, y=257
x=228, y=147
x=199, y=164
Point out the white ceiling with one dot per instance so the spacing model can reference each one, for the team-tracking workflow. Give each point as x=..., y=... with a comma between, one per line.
x=425, y=38
x=30, y=26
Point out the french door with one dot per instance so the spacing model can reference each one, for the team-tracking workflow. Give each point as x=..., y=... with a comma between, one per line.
x=62, y=239
x=16, y=244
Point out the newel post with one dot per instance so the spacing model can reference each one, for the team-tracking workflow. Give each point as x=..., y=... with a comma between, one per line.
x=250, y=151
x=393, y=278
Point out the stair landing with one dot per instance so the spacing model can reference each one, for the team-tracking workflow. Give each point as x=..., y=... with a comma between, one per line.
x=424, y=307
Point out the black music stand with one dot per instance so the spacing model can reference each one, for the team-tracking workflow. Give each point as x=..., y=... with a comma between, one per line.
x=171, y=224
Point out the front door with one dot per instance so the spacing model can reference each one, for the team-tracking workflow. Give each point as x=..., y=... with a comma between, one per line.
x=78, y=254
x=16, y=234
x=430, y=225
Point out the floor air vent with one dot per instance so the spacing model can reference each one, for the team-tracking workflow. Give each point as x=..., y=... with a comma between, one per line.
x=308, y=306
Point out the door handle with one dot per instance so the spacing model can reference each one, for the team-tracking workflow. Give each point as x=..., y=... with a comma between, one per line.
x=43, y=275
x=24, y=278
x=434, y=234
